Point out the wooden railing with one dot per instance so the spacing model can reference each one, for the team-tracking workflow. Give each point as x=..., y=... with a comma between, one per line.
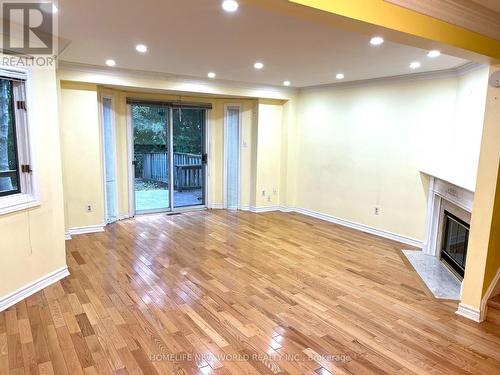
x=188, y=169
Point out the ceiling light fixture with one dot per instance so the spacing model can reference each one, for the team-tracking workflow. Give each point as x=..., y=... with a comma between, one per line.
x=340, y=76
x=211, y=75
x=258, y=65
x=110, y=62
x=376, y=41
x=230, y=6
x=142, y=48
x=287, y=83
x=434, y=53
x=415, y=65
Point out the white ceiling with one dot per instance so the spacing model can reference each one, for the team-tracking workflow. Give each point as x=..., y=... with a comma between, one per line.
x=193, y=37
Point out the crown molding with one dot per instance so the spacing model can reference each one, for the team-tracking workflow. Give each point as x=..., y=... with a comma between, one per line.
x=437, y=74
x=203, y=86
x=206, y=88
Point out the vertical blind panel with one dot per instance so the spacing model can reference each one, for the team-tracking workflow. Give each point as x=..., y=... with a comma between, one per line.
x=233, y=156
x=110, y=155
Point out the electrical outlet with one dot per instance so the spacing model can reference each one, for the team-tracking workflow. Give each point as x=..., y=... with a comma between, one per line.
x=89, y=208
x=377, y=211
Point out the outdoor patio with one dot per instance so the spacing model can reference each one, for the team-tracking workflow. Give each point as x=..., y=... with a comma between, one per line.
x=158, y=199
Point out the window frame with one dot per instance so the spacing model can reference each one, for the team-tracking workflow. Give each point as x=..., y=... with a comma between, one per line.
x=27, y=193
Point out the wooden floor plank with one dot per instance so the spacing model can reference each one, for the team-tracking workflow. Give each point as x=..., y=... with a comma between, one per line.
x=218, y=292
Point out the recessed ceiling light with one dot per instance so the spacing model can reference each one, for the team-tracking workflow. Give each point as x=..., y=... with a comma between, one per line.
x=376, y=41
x=110, y=62
x=434, y=53
x=211, y=75
x=340, y=76
x=287, y=83
x=415, y=65
x=142, y=48
x=258, y=65
x=230, y=6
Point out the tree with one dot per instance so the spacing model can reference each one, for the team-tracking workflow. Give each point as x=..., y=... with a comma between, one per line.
x=150, y=129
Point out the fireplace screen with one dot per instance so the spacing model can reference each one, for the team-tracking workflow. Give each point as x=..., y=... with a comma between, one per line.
x=455, y=242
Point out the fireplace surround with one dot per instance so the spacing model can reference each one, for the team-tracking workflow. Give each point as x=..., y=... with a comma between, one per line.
x=448, y=223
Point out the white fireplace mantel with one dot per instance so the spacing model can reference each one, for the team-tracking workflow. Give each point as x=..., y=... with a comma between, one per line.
x=440, y=192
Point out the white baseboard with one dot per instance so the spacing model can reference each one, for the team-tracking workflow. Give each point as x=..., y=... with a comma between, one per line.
x=217, y=206
x=361, y=227
x=265, y=209
x=67, y=236
x=469, y=312
x=36, y=286
x=87, y=229
x=262, y=209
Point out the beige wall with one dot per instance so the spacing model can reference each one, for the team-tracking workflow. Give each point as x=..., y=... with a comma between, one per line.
x=82, y=149
x=82, y=155
x=452, y=150
x=269, y=154
x=356, y=147
x=32, y=241
x=363, y=146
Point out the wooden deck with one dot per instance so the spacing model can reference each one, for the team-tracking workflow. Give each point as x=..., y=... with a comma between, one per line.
x=234, y=293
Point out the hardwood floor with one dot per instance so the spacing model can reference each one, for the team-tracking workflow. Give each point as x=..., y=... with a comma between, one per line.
x=233, y=293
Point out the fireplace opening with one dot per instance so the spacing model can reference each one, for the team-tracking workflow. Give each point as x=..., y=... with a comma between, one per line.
x=455, y=242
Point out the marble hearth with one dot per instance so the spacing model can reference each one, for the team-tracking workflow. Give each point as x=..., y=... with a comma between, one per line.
x=443, y=197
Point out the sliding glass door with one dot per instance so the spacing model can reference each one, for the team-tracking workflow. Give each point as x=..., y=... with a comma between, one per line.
x=168, y=156
x=189, y=150
x=151, y=131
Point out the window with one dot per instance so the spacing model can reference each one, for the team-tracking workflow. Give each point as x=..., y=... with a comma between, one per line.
x=16, y=185
x=9, y=161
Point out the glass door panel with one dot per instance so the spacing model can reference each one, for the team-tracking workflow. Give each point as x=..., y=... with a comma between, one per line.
x=188, y=156
x=151, y=157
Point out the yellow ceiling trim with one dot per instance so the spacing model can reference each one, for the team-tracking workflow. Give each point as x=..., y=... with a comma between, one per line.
x=381, y=13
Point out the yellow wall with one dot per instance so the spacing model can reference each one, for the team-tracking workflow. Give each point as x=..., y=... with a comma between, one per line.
x=402, y=23
x=483, y=260
x=493, y=259
x=363, y=146
x=32, y=242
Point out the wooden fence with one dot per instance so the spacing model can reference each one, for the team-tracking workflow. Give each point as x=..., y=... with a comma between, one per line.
x=188, y=169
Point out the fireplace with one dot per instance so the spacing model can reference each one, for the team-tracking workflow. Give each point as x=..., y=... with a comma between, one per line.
x=455, y=239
